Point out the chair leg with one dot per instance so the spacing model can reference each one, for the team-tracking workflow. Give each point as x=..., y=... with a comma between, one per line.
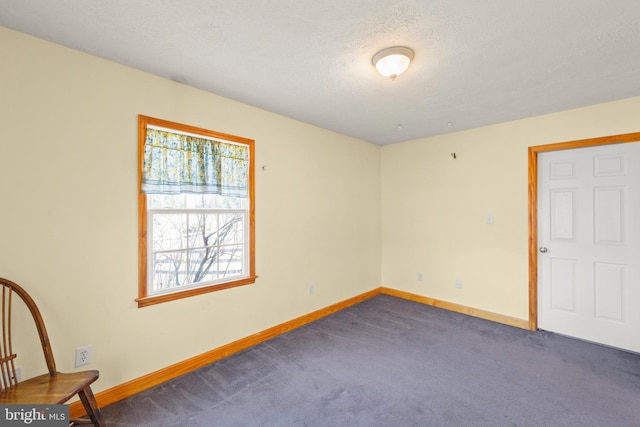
x=91, y=406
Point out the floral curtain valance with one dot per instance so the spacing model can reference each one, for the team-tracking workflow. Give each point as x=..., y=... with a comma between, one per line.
x=177, y=163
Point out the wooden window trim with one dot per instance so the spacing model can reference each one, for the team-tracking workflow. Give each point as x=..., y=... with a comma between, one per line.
x=145, y=300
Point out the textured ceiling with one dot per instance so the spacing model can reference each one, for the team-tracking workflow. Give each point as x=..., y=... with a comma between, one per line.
x=476, y=62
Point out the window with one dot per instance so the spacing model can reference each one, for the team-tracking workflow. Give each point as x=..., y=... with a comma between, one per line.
x=195, y=211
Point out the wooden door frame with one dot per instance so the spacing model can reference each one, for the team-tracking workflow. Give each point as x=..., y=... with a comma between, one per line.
x=533, y=205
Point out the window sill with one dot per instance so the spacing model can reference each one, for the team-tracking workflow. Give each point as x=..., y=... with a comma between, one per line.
x=158, y=299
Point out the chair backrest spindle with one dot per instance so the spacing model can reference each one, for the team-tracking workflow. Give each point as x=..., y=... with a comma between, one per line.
x=7, y=367
x=7, y=356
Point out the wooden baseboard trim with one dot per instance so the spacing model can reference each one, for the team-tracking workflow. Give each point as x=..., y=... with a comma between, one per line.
x=122, y=391
x=475, y=312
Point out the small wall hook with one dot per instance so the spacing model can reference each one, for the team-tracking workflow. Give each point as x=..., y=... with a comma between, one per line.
x=264, y=167
x=453, y=155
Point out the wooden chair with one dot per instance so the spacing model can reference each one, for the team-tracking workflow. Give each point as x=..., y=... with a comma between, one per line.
x=51, y=388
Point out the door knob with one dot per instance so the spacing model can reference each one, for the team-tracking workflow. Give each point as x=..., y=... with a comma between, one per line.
x=543, y=249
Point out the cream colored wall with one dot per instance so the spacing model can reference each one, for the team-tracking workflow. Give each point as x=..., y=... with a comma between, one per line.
x=68, y=222
x=434, y=207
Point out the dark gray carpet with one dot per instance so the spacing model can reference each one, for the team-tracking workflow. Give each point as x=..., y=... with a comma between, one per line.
x=391, y=362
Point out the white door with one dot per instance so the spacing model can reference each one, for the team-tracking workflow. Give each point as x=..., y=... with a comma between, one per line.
x=589, y=243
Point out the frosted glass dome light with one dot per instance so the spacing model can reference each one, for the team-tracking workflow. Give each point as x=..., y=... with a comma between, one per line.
x=392, y=61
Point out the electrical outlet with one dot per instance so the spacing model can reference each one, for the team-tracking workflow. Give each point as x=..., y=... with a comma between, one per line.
x=310, y=290
x=458, y=284
x=419, y=277
x=83, y=355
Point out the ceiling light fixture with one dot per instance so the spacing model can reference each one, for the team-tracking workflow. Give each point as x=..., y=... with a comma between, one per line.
x=392, y=61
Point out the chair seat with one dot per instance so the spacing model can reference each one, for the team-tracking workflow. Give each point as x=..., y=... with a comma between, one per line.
x=46, y=389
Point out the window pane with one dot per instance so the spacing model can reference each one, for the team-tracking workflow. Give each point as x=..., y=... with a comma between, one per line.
x=169, y=270
x=195, y=201
x=169, y=232
x=202, y=229
x=203, y=265
x=213, y=201
x=166, y=201
x=231, y=261
x=231, y=226
x=193, y=248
